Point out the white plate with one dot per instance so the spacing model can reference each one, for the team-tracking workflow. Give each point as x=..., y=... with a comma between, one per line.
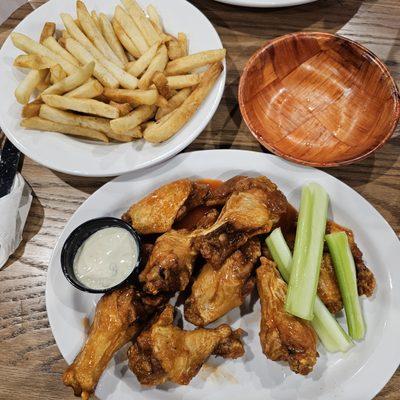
x=265, y=3
x=357, y=375
x=80, y=157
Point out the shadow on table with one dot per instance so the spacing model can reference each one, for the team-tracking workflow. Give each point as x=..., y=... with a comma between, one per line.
x=85, y=184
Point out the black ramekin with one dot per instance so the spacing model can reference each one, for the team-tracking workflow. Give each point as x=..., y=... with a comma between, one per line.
x=79, y=235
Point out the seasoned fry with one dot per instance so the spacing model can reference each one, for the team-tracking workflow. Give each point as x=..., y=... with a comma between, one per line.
x=124, y=108
x=33, y=61
x=111, y=38
x=133, y=119
x=88, y=90
x=147, y=97
x=93, y=33
x=155, y=18
x=100, y=72
x=183, y=42
x=171, y=123
x=131, y=29
x=125, y=40
x=50, y=126
x=183, y=81
x=174, y=50
x=57, y=74
x=26, y=87
x=136, y=68
x=29, y=46
x=31, y=109
x=88, y=106
x=173, y=103
x=157, y=64
x=54, y=46
x=161, y=82
x=73, y=81
x=49, y=29
x=189, y=63
x=146, y=28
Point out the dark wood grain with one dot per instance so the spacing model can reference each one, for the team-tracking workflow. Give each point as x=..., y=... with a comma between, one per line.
x=30, y=362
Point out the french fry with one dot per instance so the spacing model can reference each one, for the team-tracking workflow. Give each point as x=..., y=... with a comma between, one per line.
x=57, y=74
x=155, y=18
x=64, y=35
x=33, y=61
x=174, y=50
x=161, y=82
x=96, y=20
x=147, y=97
x=100, y=72
x=136, y=68
x=111, y=38
x=44, y=83
x=124, y=108
x=88, y=90
x=121, y=138
x=161, y=101
x=93, y=33
x=133, y=119
x=134, y=133
x=29, y=46
x=71, y=82
x=189, y=63
x=173, y=103
x=171, y=123
x=31, y=109
x=41, y=124
x=183, y=42
x=131, y=29
x=54, y=46
x=157, y=65
x=26, y=87
x=88, y=106
x=70, y=118
x=49, y=29
x=125, y=40
x=145, y=26
x=183, y=81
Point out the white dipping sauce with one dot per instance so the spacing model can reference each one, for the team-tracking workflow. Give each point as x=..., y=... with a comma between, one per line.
x=106, y=258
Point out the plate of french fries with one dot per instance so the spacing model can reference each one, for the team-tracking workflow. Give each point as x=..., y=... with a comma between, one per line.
x=103, y=88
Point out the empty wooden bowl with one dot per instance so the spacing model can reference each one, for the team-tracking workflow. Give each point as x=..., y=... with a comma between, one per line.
x=318, y=99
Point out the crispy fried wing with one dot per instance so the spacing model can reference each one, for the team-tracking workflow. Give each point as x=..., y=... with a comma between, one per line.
x=170, y=265
x=283, y=337
x=116, y=321
x=157, y=212
x=216, y=292
x=166, y=352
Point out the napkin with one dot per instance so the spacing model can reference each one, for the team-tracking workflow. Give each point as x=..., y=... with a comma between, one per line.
x=7, y=7
x=14, y=209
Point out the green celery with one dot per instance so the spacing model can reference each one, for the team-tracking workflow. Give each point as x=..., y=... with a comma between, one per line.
x=307, y=253
x=343, y=262
x=331, y=334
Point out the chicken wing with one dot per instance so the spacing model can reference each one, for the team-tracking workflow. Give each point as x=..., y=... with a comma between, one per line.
x=119, y=316
x=216, y=292
x=254, y=210
x=170, y=265
x=283, y=337
x=165, y=352
x=157, y=212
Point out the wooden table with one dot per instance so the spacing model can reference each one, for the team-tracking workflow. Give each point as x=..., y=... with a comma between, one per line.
x=31, y=364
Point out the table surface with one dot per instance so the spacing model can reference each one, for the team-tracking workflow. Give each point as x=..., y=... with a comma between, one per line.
x=31, y=365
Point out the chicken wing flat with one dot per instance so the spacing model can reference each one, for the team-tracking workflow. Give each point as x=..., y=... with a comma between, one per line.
x=170, y=265
x=157, y=212
x=217, y=291
x=118, y=317
x=165, y=352
x=283, y=337
x=254, y=210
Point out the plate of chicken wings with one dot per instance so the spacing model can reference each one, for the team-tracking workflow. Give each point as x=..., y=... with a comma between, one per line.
x=206, y=316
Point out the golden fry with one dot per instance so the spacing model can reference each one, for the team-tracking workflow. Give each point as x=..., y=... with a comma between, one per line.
x=44, y=83
x=155, y=18
x=174, y=50
x=26, y=87
x=88, y=90
x=189, y=63
x=88, y=106
x=147, y=97
x=54, y=46
x=136, y=68
x=33, y=61
x=183, y=42
x=125, y=39
x=171, y=123
x=173, y=103
x=124, y=108
x=96, y=20
x=31, y=109
x=49, y=29
x=183, y=81
x=157, y=64
x=133, y=119
x=161, y=82
x=57, y=74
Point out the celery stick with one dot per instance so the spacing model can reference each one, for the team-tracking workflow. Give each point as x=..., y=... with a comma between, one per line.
x=307, y=253
x=331, y=334
x=346, y=275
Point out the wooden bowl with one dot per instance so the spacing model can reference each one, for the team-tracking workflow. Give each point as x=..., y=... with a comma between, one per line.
x=318, y=99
